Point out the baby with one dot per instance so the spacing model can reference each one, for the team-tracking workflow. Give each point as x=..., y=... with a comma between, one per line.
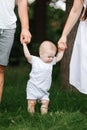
x=41, y=74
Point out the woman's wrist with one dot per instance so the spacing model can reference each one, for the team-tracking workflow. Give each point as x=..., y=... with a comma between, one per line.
x=64, y=35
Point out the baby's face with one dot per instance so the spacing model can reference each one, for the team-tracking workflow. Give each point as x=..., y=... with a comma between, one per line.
x=47, y=56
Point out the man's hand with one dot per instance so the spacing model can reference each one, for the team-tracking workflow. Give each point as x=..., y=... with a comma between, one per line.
x=25, y=36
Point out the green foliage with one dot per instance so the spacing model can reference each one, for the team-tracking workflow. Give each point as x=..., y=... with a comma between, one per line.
x=55, y=23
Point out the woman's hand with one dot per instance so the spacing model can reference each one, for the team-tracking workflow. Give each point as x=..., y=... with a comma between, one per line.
x=62, y=44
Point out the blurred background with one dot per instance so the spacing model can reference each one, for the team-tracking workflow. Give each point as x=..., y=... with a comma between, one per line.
x=68, y=108
x=46, y=19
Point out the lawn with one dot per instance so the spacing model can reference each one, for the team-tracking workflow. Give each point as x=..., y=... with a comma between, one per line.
x=67, y=110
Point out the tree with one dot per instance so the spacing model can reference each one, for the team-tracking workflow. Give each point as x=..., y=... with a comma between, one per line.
x=66, y=60
x=40, y=19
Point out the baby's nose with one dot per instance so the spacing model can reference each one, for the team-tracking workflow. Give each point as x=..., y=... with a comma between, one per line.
x=51, y=58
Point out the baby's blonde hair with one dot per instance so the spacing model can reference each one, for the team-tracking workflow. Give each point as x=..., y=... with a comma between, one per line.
x=47, y=45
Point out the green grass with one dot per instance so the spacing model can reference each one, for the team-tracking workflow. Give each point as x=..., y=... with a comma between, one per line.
x=67, y=110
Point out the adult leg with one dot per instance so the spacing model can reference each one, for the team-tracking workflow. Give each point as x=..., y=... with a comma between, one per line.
x=6, y=42
x=44, y=106
x=31, y=105
x=2, y=68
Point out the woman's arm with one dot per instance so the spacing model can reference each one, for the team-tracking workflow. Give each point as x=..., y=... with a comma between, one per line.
x=71, y=21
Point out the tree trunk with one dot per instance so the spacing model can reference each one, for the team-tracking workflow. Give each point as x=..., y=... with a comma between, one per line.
x=40, y=20
x=66, y=60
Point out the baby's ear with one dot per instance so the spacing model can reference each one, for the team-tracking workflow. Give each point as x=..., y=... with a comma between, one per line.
x=40, y=53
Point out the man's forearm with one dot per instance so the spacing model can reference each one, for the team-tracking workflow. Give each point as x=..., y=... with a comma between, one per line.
x=23, y=13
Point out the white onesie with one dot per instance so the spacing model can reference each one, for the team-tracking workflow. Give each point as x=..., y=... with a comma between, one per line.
x=40, y=79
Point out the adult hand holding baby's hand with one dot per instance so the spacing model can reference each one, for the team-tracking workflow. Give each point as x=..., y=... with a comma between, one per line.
x=25, y=36
x=62, y=44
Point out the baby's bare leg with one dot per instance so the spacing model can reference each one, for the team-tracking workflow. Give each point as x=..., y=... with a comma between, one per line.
x=44, y=106
x=31, y=105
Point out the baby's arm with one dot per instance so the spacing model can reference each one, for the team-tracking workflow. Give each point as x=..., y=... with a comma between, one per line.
x=26, y=52
x=59, y=56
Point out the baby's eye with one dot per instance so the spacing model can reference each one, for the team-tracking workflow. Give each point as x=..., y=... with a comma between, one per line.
x=50, y=56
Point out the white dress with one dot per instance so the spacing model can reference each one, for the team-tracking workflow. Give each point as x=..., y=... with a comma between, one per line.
x=78, y=63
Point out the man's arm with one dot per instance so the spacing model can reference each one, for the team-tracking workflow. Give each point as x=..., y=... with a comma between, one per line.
x=26, y=52
x=25, y=36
